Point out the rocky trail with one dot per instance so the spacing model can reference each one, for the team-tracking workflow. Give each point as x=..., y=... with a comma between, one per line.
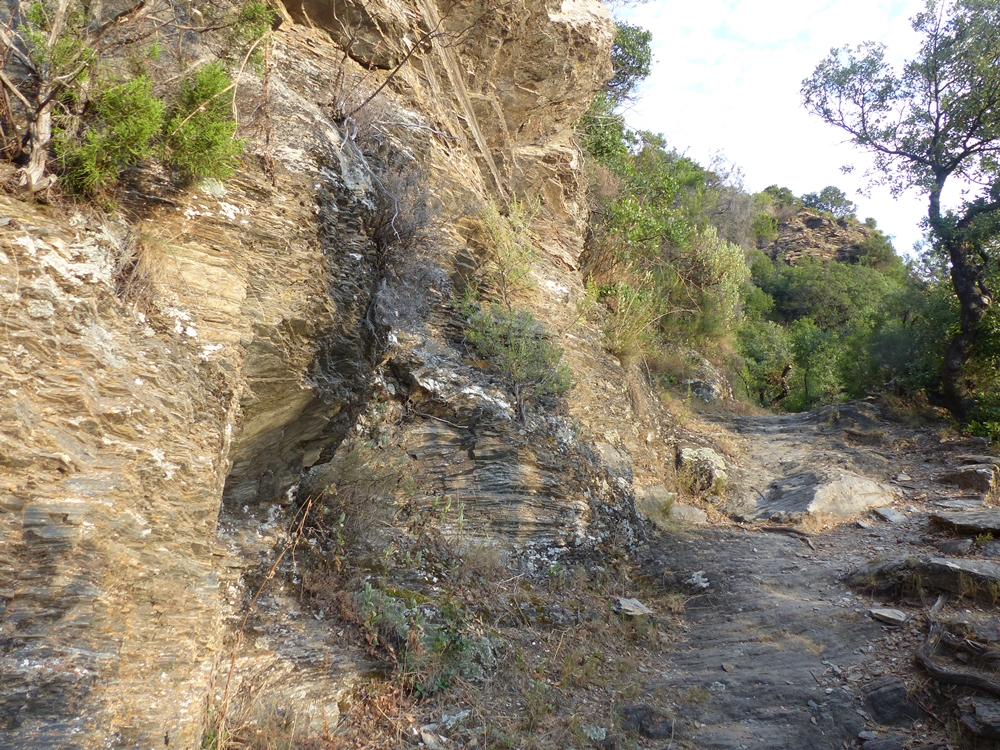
x=803, y=620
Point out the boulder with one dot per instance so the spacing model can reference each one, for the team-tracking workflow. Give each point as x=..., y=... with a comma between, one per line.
x=702, y=469
x=832, y=492
x=888, y=701
x=688, y=514
x=964, y=577
x=980, y=478
x=969, y=522
x=707, y=383
x=655, y=502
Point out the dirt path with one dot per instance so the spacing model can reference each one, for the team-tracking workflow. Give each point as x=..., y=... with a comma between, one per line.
x=781, y=652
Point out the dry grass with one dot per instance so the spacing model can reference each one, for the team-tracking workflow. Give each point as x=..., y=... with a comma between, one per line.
x=254, y=722
x=556, y=672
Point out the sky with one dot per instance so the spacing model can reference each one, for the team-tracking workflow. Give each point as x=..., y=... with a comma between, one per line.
x=726, y=77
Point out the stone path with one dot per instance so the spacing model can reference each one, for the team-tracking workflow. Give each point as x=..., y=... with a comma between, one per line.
x=781, y=652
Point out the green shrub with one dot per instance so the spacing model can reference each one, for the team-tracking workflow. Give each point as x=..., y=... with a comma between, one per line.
x=509, y=250
x=635, y=310
x=765, y=228
x=201, y=133
x=516, y=344
x=126, y=117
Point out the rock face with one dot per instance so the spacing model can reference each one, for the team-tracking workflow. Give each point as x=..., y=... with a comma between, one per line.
x=160, y=377
x=817, y=235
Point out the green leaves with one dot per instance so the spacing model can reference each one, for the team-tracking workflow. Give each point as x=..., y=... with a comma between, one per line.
x=517, y=346
x=201, y=134
x=126, y=119
x=631, y=57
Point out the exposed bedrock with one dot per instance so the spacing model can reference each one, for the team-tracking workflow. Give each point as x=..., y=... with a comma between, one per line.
x=263, y=319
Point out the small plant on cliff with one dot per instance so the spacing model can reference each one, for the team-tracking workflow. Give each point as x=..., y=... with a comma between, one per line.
x=510, y=337
x=517, y=345
x=126, y=118
x=508, y=248
x=201, y=134
x=87, y=83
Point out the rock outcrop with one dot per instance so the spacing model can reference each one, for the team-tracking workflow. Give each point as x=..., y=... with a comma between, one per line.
x=818, y=235
x=167, y=381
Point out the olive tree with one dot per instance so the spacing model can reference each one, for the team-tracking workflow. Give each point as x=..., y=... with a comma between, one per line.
x=935, y=121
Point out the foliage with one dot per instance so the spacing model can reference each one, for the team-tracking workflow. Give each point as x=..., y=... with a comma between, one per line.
x=201, y=133
x=508, y=247
x=603, y=132
x=766, y=352
x=125, y=118
x=782, y=196
x=631, y=57
x=87, y=83
x=831, y=199
x=635, y=308
x=937, y=120
x=516, y=344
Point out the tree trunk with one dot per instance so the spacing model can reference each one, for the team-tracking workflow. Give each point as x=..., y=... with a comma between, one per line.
x=33, y=174
x=974, y=304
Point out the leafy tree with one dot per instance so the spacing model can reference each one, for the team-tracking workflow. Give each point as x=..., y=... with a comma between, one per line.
x=831, y=199
x=631, y=57
x=937, y=120
x=815, y=352
x=767, y=355
x=782, y=196
x=603, y=131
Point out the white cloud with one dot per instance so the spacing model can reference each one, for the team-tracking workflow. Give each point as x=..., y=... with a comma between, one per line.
x=726, y=78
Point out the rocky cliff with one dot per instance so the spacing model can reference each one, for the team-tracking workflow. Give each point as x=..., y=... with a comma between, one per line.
x=812, y=233
x=170, y=375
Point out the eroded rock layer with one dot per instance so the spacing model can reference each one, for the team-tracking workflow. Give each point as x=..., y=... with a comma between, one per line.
x=197, y=355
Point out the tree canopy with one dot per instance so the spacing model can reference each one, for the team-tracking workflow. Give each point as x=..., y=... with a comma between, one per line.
x=936, y=120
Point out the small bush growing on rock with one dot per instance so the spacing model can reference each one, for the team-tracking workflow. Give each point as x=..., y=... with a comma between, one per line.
x=201, y=133
x=126, y=117
x=509, y=250
x=517, y=345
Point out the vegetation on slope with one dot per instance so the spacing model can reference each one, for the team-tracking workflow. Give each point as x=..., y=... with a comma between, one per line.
x=87, y=93
x=677, y=255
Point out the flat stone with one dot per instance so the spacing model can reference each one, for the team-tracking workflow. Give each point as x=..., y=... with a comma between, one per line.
x=977, y=477
x=955, y=547
x=688, y=514
x=890, y=514
x=984, y=721
x=903, y=477
x=862, y=524
x=970, y=522
x=728, y=667
x=632, y=608
x=960, y=503
x=888, y=701
x=960, y=576
x=890, y=616
x=832, y=492
x=647, y=721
